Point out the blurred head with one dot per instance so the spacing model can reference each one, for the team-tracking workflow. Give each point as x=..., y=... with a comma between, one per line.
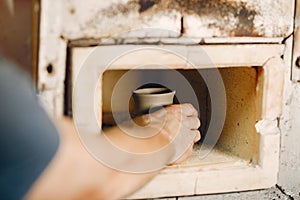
x=16, y=28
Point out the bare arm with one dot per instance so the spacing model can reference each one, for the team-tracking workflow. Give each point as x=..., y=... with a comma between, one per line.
x=75, y=174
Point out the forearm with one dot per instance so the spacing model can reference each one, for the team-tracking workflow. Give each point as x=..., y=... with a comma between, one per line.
x=63, y=181
x=75, y=174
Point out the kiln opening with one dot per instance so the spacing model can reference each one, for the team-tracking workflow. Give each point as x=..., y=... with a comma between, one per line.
x=239, y=141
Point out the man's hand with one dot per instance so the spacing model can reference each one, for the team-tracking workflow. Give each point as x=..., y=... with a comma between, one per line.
x=176, y=125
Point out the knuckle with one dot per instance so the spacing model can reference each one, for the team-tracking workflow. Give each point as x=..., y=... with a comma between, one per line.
x=198, y=122
x=187, y=106
x=191, y=109
x=193, y=122
x=191, y=106
x=198, y=135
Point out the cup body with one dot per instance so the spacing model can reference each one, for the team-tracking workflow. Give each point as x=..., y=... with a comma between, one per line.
x=147, y=99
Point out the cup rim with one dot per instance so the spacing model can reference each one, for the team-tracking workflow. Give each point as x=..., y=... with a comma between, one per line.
x=150, y=91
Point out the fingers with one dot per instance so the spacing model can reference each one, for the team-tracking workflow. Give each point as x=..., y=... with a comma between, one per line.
x=188, y=152
x=179, y=121
x=197, y=135
x=189, y=110
x=184, y=109
x=192, y=123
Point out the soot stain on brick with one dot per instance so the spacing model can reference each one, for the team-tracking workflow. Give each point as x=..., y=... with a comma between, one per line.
x=221, y=11
x=116, y=9
x=246, y=24
x=146, y=4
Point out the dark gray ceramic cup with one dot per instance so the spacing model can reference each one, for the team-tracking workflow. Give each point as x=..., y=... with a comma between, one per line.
x=150, y=99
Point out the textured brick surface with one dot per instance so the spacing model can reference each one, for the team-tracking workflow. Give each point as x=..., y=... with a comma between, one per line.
x=97, y=19
x=242, y=18
x=273, y=193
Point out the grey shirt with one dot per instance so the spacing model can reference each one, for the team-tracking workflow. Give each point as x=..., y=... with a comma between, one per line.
x=28, y=139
